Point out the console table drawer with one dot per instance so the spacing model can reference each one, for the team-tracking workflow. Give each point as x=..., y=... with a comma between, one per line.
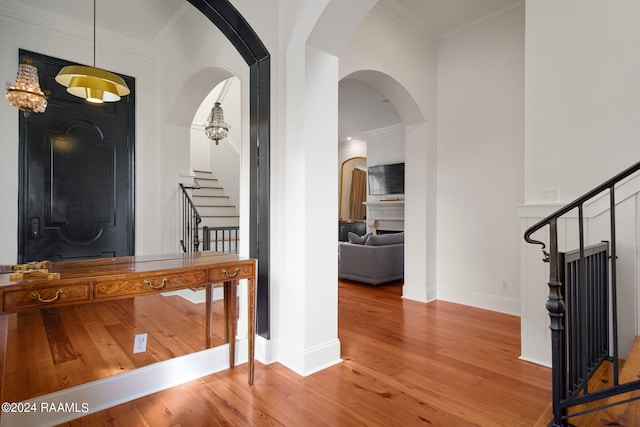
x=15, y=300
x=153, y=283
x=231, y=272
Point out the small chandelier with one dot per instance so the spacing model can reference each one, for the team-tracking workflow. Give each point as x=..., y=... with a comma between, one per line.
x=91, y=83
x=216, y=128
x=26, y=94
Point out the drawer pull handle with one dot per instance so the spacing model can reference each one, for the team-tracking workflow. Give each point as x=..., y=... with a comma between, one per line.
x=234, y=274
x=160, y=286
x=36, y=295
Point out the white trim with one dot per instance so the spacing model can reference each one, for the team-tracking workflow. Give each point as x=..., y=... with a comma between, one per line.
x=485, y=25
x=497, y=303
x=427, y=34
x=197, y=296
x=108, y=392
x=536, y=351
x=309, y=361
x=419, y=293
x=385, y=131
x=595, y=206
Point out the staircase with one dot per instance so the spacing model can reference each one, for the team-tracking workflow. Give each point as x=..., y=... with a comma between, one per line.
x=628, y=414
x=591, y=383
x=216, y=212
x=623, y=415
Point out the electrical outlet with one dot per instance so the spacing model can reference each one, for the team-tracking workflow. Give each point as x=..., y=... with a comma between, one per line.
x=140, y=343
x=504, y=284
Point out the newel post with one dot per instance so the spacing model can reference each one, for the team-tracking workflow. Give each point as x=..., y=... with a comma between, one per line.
x=556, y=307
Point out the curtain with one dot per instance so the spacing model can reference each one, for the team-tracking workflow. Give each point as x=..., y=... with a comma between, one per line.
x=358, y=194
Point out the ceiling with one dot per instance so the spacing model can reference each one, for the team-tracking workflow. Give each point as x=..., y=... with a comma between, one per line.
x=360, y=105
x=447, y=15
x=143, y=19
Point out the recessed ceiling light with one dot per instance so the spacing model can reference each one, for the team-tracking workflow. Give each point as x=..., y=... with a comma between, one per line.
x=348, y=138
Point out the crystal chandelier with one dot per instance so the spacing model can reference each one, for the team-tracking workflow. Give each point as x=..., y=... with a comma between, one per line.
x=91, y=83
x=216, y=128
x=26, y=94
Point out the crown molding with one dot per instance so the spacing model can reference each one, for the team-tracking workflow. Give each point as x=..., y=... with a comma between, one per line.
x=426, y=33
x=29, y=15
x=177, y=24
x=385, y=131
x=483, y=26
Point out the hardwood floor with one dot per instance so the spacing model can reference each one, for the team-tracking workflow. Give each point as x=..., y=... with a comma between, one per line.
x=405, y=364
x=68, y=346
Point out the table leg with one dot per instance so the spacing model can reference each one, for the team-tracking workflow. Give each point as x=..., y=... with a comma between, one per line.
x=231, y=308
x=4, y=331
x=251, y=295
x=208, y=296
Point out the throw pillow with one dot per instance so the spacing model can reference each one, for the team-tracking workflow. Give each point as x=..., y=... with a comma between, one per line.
x=358, y=240
x=385, y=239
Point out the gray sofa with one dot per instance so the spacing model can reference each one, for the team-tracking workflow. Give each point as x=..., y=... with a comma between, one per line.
x=372, y=259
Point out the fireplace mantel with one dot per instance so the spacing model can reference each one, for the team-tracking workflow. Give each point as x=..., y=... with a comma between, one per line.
x=385, y=215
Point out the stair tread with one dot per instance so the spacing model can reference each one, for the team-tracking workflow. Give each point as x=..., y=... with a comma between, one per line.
x=626, y=414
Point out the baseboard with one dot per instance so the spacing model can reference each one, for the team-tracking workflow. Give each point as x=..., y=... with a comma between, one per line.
x=98, y=395
x=309, y=361
x=481, y=300
x=198, y=296
x=418, y=293
x=536, y=351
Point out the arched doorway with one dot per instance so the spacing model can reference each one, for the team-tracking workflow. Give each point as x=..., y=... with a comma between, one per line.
x=238, y=31
x=419, y=281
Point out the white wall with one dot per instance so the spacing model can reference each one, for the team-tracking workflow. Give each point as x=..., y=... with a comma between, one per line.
x=582, y=94
x=480, y=163
x=581, y=110
x=385, y=145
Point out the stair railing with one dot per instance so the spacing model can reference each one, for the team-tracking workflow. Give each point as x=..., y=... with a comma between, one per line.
x=225, y=239
x=190, y=220
x=576, y=313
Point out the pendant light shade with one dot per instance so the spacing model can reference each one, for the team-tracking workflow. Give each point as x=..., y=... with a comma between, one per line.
x=91, y=83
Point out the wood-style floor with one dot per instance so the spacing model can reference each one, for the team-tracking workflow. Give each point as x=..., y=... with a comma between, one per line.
x=405, y=364
x=52, y=349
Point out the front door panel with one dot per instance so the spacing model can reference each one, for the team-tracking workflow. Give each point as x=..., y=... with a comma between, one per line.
x=76, y=196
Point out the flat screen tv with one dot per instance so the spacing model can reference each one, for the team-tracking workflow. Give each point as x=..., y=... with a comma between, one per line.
x=386, y=179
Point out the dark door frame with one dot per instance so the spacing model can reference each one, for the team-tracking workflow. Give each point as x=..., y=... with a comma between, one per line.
x=238, y=31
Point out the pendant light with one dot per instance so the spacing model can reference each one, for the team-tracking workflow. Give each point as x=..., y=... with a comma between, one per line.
x=25, y=94
x=93, y=84
x=216, y=128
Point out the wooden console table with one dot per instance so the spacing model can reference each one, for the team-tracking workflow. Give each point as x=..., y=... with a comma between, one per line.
x=107, y=279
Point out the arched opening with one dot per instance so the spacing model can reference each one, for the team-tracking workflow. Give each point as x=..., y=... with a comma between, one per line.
x=384, y=140
x=238, y=31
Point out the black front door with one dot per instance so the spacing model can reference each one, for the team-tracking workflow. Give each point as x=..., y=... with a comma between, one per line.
x=76, y=174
